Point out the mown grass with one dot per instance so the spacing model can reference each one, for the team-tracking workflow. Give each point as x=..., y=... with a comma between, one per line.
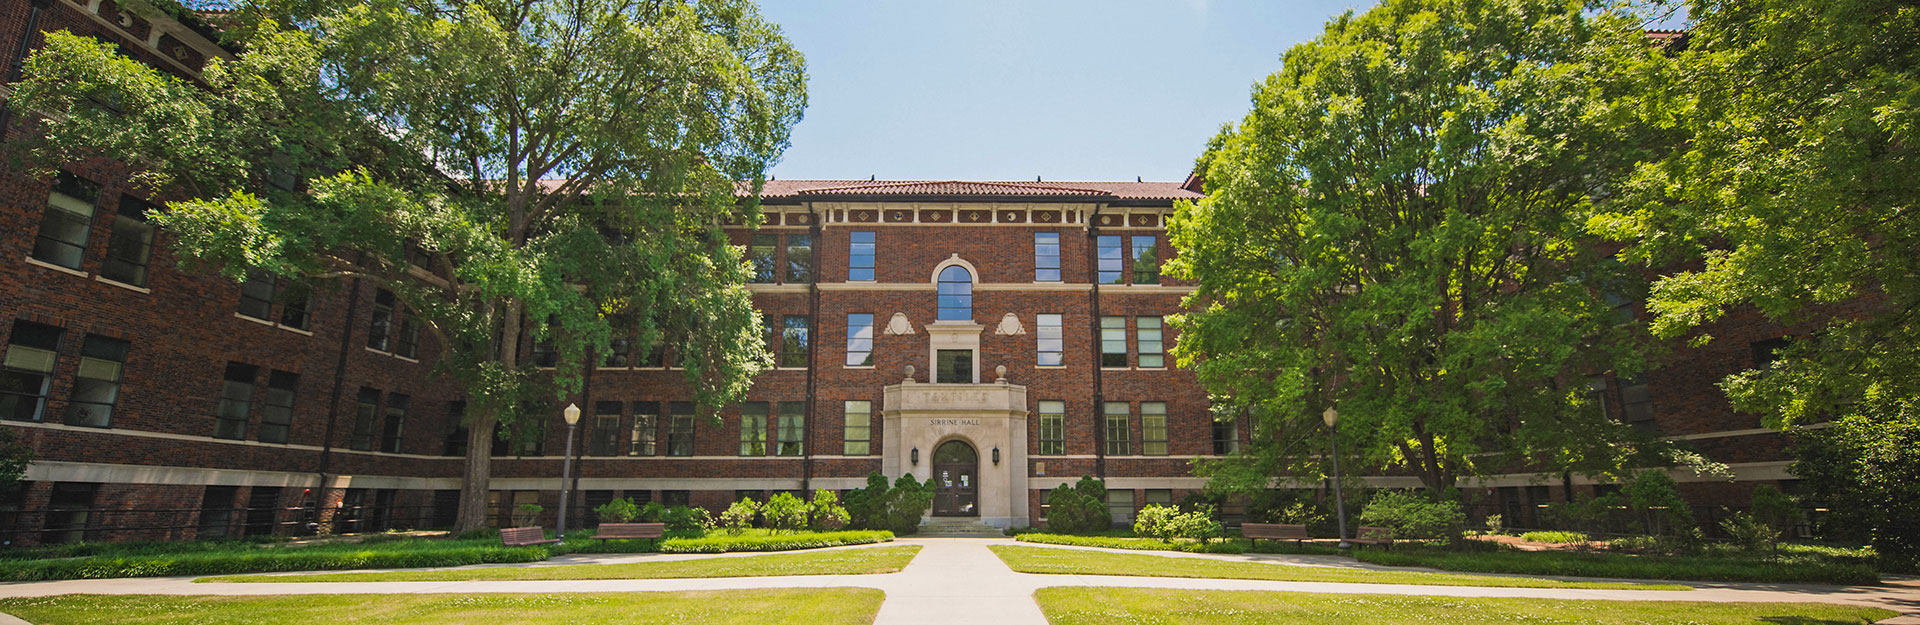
x=1793, y=567
x=872, y=561
x=1141, y=543
x=1086, y=606
x=810, y=606
x=1079, y=562
x=719, y=541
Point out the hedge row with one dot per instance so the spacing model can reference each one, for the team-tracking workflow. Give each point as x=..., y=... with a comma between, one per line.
x=1141, y=544
x=270, y=560
x=1627, y=567
x=721, y=542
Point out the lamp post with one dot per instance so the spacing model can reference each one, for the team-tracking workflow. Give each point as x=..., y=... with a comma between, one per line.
x=1332, y=417
x=572, y=415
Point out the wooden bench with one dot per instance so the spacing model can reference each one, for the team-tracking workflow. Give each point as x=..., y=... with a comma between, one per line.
x=524, y=536
x=1274, y=531
x=626, y=531
x=1373, y=536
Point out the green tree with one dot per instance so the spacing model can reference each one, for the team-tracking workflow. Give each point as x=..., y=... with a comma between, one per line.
x=1865, y=471
x=14, y=457
x=1396, y=229
x=1794, y=196
x=557, y=167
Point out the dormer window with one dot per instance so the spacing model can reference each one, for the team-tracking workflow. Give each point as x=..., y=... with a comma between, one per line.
x=956, y=294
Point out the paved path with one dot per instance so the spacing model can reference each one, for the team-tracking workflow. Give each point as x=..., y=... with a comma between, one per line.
x=957, y=580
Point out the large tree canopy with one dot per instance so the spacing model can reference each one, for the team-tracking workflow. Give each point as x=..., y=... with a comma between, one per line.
x=1396, y=229
x=1796, y=196
x=554, y=165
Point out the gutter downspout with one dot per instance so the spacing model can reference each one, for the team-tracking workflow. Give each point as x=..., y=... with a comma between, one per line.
x=339, y=386
x=813, y=354
x=1099, y=397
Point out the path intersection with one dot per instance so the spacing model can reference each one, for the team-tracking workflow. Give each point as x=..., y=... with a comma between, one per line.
x=958, y=580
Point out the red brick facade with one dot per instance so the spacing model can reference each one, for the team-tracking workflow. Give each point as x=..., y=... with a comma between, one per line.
x=159, y=459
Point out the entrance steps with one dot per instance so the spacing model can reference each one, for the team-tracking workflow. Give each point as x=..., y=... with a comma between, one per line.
x=957, y=527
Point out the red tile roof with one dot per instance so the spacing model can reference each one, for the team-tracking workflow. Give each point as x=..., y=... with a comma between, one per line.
x=962, y=188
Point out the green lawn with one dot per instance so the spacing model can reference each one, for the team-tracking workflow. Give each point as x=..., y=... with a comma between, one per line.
x=812, y=606
x=839, y=562
x=1077, y=606
x=1083, y=562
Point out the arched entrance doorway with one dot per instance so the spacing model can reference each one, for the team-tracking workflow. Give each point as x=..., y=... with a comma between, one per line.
x=956, y=468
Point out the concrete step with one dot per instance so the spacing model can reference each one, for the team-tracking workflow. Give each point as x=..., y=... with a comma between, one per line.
x=957, y=527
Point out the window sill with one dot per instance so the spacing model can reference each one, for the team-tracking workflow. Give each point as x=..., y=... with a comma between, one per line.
x=1049, y=366
x=136, y=289
x=867, y=367
x=254, y=319
x=790, y=368
x=1149, y=368
x=41, y=263
x=293, y=329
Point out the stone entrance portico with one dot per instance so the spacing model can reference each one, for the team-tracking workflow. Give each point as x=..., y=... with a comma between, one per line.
x=991, y=417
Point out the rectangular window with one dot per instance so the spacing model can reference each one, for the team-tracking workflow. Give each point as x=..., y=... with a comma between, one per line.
x=130, y=245
x=1119, y=438
x=293, y=309
x=1111, y=259
x=456, y=443
x=1049, y=341
x=753, y=428
x=1046, y=257
x=953, y=366
x=680, y=429
x=761, y=254
x=276, y=418
x=799, y=258
x=646, y=421
x=256, y=295
x=1158, y=497
x=543, y=354
x=96, y=387
x=534, y=441
x=1226, y=436
x=858, y=437
x=1153, y=428
x=365, y=412
x=1146, y=260
x=860, y=257
x=793, y=340
x=1147, y=335
x=1636, y=403
x=406, y=342
x=393, y=426
x=380, y=330
x=1597, y=396
x=793, y=428
x=236, y=401
x=64, y=227
x=1120, y=505
x=32, y=349
x=1113, y=341
x=69, y=507
x=860, y=339
x=606, y=429
x=1053, y=428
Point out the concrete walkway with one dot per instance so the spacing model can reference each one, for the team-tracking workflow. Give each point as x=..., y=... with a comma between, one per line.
x=957, y=580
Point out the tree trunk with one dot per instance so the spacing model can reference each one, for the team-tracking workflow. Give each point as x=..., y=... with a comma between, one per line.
x=476, y=479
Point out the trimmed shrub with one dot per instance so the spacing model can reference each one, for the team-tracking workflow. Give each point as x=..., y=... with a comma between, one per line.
x=1413, y=516
x=739, y=516
x=686, y=519
x=1591, y=564
x=1195, y=525
x=1749, y=532
x=908, y=503
x=824, y=513
x=758, y=541
x=1071, y=511
x=784, y=513
x=1138, y=544
x=1554, y=537
x=867, y=507
x=620, y=510
x=1155, y=521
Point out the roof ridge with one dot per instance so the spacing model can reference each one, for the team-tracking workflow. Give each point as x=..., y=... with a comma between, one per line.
x=1025, y=186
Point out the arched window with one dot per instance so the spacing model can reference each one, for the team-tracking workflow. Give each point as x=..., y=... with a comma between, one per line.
x=956, y=294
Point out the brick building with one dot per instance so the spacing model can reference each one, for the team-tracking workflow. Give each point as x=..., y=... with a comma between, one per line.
x=1004, y=337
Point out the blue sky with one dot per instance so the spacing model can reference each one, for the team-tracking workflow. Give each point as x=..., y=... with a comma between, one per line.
x=1009, y=90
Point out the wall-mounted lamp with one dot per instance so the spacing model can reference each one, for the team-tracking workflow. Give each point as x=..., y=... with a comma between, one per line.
x=915, y=456
x=996, y=456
